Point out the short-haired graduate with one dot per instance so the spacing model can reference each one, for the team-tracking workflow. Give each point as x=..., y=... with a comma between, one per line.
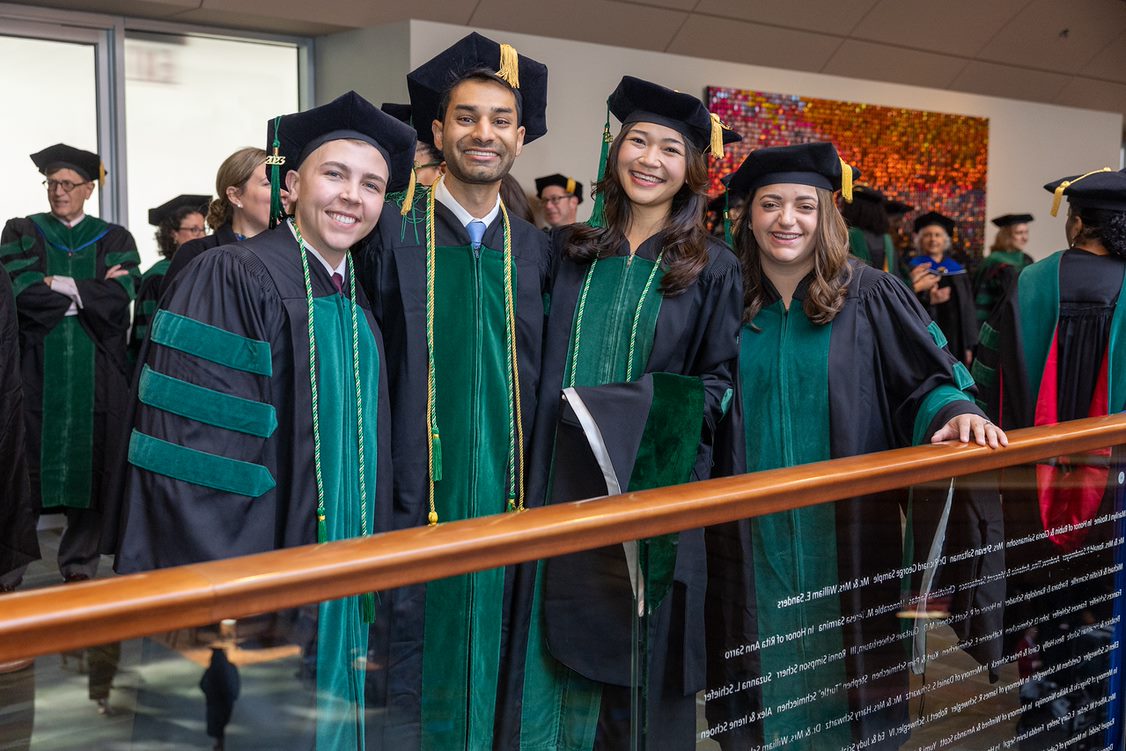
x=262, y=416
x=641, y=341
x=458, y=286
x=836, y=359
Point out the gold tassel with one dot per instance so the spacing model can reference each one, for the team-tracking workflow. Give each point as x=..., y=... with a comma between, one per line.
x=846, y=180
x=509, y=65
x=1057, y=196
x=717, y=135
x=101, y=174
x=408, y=196
x=571, y=185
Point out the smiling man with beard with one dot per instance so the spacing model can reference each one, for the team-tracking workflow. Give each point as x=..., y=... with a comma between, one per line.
x=458, y=288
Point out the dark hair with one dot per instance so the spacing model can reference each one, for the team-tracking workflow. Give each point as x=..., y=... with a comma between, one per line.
x=870, y=216
x=480, y=74
x=1105, y=226
x=435, y=153
x=685, y=237
x=831, y=271
x=165, y=242
x=515, y=199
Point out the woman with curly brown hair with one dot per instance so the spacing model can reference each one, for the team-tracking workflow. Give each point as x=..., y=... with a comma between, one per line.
x=836, y=359
x=641, y=342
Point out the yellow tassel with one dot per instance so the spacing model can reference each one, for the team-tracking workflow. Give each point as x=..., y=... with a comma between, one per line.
x=717, y=135
x=846, y=181
x=101, y=174
x=432, y=518
x=509, y=65
x=1057, y=196
x=571, y=185
x=408, y=197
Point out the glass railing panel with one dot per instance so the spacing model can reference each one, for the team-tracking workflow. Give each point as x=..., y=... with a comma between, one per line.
x=980, y=613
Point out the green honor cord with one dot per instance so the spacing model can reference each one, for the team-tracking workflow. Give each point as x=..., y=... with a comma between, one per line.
x=367, y=600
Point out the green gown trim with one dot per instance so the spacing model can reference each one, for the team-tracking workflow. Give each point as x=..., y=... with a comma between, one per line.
x=1039, y=300
x=795, y=552
x=211, y=343
x=199, y=467
x=67, y=445
x=463, y=613
x=206, y=405
x=561, y=708
x=342, y=634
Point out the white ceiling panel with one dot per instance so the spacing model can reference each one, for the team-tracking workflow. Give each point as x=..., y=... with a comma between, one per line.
x=880, y=62
x=617, y=23
x=1058, y=36
x=827, y=16
x=743, y=42
x=1011, y=82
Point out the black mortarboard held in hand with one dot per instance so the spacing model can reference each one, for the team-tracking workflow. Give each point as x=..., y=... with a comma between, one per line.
x=638, y=101
x=292, y=138
x=431, y=81
x=935, y=219
x=1008, y=220
x=1099, y=189
x=197, y=202
x=60, y=156
x=815, y=164
x=569, y=184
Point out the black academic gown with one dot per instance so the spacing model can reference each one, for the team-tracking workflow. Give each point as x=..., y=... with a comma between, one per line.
x=695, y=335
x=253, y=296
x=19, y=544
x=884, y=360
x=1052, y=351
x=148, y=295
x=957, y=317
x=393, y=271
x=75, y=374
x=187, y=253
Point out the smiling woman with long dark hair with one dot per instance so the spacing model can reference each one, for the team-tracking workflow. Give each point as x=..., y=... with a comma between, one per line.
x=641, y=341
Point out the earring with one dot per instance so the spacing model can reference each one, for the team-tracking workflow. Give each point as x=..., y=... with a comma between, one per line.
x=238, y=205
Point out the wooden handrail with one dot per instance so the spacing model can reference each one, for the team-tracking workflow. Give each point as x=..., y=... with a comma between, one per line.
x=55, y=619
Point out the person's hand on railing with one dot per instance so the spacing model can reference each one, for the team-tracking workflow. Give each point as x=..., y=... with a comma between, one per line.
x=961, y=427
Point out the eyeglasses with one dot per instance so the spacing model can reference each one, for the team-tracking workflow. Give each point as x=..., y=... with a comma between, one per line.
x=428, y=165
x=193, y=231
x=66, y=185
x=556, y=199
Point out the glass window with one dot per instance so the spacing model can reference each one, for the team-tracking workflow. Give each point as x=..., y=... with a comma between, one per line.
x=190, y=102
x=52, y=89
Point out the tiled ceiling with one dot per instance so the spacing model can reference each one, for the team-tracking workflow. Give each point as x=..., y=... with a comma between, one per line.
x=1070, y=52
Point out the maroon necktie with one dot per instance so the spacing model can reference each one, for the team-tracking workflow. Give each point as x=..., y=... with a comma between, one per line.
x=338, y=281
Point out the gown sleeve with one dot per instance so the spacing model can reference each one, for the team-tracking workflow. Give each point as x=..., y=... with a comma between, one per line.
x=40, y=308
x=18, y=542
x=201, y=466
x=105, y=302
x=719, y=325
x=924, y=384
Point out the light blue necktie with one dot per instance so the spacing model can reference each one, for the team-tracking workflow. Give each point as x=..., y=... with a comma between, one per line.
x=476, y=230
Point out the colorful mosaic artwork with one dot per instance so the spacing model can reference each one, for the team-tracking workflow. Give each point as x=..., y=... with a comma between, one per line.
x=931, y=160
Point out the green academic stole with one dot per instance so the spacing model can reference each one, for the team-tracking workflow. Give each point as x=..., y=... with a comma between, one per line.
x=67, y=444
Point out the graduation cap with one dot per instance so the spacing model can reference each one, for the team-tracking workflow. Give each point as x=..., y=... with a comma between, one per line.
x=868, y=193
x=1099, y=189
x=935, y=219
x=817, y=164
x=897, y=208
x=429, y=82
x=636, y=100
x=569, y=184
x=292, y=138
x=401, y=112
x=187, y=201
x=1008, y=220
x=60, y=156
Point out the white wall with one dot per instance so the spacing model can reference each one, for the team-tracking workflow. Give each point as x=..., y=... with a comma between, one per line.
x=374, y=62
x=1029, y=144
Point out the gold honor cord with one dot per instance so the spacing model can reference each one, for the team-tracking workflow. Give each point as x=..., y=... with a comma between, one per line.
x=574, y=358
x=515, y=491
